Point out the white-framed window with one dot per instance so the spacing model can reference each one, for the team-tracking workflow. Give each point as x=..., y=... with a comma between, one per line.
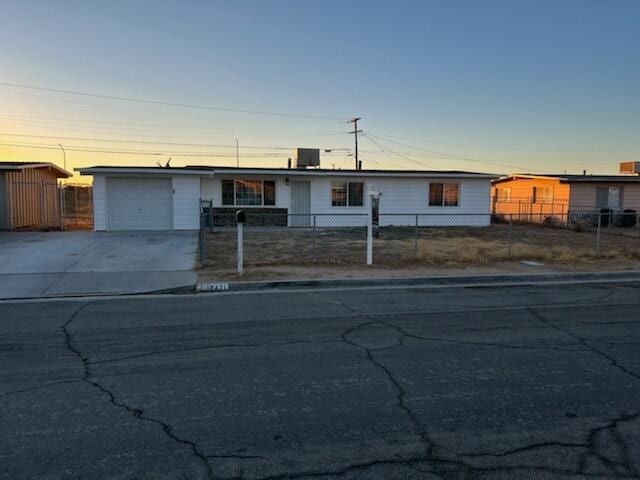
x=542, y=194
x=504, y=194
x=347, y=194
x=444, y=194
x=236, y=192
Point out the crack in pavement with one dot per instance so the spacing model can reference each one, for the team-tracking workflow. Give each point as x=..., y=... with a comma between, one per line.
x=136, y=412
x=418, y=427
x=445, y=467
x=436, y=463
x=584, y=342
x=196, y=349
x=526, y=448
x=39, y=387
x=592, y=440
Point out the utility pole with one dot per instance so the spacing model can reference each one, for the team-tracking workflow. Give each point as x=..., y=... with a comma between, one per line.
x=237, y=153
x=355, y=132
x=64, y=159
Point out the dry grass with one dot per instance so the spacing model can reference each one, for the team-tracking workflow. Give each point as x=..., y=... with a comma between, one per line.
x=396, y=247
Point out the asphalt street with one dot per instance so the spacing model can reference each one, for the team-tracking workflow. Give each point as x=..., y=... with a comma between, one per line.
x=415, y=383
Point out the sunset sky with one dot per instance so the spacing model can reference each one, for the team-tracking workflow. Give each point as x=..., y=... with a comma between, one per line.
x=498, y=86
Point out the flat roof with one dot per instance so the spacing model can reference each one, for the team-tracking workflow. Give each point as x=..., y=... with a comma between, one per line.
x=11, y=166
x=572, y=178
x=212, y=170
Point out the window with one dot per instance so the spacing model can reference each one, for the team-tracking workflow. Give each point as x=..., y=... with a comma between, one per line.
x=504, y=194
x=542, y=195
x=347, y=194
x=248, y=192
x=227, y=192
x=609, y=197
x=269, y=192
x=444, y=194
x=356, y=194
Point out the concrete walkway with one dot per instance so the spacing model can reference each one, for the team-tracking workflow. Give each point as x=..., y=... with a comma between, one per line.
x=34, y=264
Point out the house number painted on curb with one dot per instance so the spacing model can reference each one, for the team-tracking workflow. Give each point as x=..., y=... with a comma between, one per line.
x=213, y=287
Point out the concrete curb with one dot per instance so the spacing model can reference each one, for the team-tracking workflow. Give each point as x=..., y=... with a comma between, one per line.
x=184, y=289
x=434, y=282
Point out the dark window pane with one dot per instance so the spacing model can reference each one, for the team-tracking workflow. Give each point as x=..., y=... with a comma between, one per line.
x=338, y=194
x=602, y=197
x=227, y=192
x=450, y=194
x=248, y=192
x=269, y=192
x=436, y=194
x=356, y=193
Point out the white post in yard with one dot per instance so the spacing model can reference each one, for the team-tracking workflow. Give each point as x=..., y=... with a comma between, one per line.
x=240, y=219
x=370, y=236
x=373, y=193
x=240, y=248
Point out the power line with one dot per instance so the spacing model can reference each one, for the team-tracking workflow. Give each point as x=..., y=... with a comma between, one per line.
x=161, y=112
x=160, y=102
x=93, y=149
x=148, y=142
x=386, y=149
x=457, y=157
x=25, y=119
x=126, y=132
x=494, y=147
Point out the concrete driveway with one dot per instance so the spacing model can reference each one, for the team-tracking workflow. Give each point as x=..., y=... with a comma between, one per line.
x=36, y=264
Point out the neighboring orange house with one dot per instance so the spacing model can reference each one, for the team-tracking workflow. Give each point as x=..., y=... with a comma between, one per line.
x=535, y=198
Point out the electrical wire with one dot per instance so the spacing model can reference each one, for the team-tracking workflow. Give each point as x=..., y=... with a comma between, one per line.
x=494, y=147
x=384, y=150
x=93, y=149
x=165, y=103
x=457, y=157
x=149, y=142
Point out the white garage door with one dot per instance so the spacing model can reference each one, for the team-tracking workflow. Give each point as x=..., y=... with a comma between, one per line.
x=139, y=204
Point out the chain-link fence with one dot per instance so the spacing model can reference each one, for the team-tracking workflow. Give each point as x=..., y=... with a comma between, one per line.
x=398, y=240
x=77, y=203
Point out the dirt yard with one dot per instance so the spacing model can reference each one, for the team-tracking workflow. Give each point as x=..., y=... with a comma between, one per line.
x=272, y=252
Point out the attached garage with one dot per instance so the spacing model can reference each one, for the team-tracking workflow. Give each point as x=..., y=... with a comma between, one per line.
x=139, y=203
x=144, y=198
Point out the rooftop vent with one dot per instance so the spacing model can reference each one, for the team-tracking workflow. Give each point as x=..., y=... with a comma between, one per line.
x=306, y=157
x=630, y=168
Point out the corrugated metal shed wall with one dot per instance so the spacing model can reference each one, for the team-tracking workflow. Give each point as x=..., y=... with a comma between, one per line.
x=34, y=201
x=4, y=204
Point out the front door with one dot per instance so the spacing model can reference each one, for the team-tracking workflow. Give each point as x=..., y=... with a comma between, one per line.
x=300, y=204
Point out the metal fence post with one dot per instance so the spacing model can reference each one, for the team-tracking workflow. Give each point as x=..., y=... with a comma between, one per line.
x=75, y=194
x=415, y=246
x=510, y=233
x=240, y=229
x=211, y=216
x=598, y=234
x=315, y=257
x=203, y=248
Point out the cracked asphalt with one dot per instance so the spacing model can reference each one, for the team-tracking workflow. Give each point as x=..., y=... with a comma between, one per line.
x=416, y=383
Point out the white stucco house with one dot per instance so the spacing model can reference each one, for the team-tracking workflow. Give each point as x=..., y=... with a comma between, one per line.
x=157, y=198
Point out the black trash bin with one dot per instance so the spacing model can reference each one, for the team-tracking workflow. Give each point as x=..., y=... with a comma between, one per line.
x=629, y=218
x=605, y=215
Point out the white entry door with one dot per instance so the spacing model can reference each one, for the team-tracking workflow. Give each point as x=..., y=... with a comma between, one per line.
x=139, y=204
x=300, y=204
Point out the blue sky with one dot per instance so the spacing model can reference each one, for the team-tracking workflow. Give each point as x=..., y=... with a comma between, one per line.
x=481, y=85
